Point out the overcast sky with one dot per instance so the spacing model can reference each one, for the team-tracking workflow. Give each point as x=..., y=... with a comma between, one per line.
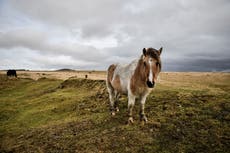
x=91, y=34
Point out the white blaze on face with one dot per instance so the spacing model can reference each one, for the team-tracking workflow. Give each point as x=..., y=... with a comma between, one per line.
x=151, y=73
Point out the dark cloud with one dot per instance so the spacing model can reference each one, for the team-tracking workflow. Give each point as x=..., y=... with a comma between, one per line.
x=199, y=65
x=92, y=34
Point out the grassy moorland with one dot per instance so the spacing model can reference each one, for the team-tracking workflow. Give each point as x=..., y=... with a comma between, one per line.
x=187, y=112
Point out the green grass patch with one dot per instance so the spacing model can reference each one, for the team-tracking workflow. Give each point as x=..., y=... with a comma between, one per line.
x=51, y=115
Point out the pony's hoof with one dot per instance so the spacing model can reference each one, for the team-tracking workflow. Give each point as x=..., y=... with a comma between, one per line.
x=130, y=120
x=144, y=119
x=117, y=109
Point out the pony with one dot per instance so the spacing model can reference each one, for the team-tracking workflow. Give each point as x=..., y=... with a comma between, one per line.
x=136, y=80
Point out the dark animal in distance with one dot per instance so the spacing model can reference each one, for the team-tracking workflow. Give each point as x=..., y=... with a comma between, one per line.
x=11, y=73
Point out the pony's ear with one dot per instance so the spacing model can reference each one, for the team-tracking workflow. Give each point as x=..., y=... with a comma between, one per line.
x=160, y=50
x=144, y=51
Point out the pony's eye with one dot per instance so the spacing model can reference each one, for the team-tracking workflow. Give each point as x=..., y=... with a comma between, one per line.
x=157, y=63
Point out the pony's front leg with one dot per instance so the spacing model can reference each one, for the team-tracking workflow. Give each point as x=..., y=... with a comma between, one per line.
x=142, y=109
x=131, y=103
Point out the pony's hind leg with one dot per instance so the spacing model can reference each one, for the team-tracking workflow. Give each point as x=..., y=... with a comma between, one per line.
x=117, y=95
x=111, y=90
x=112, y=99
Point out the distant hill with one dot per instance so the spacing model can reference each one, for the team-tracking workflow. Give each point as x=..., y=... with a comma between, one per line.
x=65, y=69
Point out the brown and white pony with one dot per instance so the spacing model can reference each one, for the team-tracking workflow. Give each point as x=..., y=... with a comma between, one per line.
x=136, y=79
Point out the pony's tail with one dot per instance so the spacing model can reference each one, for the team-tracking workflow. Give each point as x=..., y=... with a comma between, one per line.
x=110, y=73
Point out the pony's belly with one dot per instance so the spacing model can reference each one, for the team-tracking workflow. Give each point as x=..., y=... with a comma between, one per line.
x=124, y=86
x=120, y=87
x=124, y=91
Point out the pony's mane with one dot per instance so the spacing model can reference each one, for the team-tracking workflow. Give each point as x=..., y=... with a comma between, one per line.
x=140, y=71
x=154, y=54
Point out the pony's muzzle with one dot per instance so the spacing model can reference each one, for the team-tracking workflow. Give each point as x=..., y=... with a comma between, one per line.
x=150, y=84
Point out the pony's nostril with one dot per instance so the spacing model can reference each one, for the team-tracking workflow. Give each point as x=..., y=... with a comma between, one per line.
x=150, y=84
